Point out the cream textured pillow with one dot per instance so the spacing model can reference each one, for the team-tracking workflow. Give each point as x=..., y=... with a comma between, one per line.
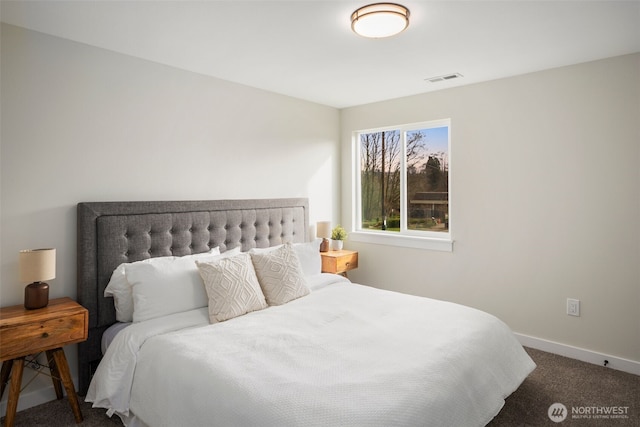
x=280, y=275
x=232, y=287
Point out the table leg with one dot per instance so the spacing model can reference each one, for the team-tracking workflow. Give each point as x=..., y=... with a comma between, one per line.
x=65, y=375
x=14, y=391
x=55, y=375
x=4, y=375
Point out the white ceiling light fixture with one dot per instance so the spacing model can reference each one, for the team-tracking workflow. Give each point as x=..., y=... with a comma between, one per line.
x=380, y=20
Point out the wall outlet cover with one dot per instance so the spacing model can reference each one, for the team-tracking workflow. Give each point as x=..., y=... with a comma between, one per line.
x=573, y=307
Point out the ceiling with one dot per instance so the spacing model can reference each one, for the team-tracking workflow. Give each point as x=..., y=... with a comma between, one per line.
x=306, y=49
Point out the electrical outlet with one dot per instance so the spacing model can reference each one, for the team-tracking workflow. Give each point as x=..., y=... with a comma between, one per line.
x=573, y=307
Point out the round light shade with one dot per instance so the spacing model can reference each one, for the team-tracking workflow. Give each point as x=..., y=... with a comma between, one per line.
x=380, y=20
x=37, y=265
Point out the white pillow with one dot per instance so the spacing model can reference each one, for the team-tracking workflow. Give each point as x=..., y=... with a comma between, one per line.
x=263, y=250
x=232, y=287
x=280, y=275
x=308, y=256
x=119, y=288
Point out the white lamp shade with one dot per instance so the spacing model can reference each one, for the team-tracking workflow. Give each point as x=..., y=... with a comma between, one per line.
x=380, y=20
x=37, y=265
x=324, y=229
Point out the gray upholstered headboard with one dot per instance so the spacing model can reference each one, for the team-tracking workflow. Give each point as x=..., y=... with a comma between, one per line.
x=111, y=233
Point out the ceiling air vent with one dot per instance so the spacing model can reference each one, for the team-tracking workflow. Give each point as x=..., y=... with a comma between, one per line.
x=444, y=78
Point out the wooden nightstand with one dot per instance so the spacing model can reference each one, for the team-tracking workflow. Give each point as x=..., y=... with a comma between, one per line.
x=25, y=332
x=339, y=262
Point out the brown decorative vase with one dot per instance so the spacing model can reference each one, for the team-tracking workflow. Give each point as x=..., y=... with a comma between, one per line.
x=36, y=295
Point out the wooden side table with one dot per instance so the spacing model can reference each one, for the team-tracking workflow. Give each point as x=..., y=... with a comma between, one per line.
x=339, y=262
x=25, y=332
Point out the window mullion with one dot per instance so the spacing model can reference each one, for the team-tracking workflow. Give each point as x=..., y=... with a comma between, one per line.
x=357, y=220
x=403, y=182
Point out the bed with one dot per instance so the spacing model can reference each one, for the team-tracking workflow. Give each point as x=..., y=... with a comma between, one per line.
x=315, y=349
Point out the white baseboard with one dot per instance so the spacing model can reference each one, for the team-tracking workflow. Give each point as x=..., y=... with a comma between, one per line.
x=581, y=354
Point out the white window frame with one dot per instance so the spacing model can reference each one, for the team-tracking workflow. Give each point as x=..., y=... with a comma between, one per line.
x=432, y=240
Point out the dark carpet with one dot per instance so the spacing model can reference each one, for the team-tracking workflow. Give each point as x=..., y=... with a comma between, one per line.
x=593, y=395
x=580, y=387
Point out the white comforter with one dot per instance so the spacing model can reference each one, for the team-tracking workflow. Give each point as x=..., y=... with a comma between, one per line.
x=345, y=355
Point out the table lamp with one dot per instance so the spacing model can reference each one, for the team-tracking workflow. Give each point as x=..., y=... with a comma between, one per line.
x=324, y=232
x=36, y=266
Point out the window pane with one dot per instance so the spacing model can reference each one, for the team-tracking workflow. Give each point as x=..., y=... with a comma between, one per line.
x=428, y=179
x=380, y=158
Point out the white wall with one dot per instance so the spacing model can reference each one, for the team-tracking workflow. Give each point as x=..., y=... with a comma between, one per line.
x=86, y=124
x=545, y=203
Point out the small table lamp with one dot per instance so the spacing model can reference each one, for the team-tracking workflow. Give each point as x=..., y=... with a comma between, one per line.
x=324, y=232
x=35, y=266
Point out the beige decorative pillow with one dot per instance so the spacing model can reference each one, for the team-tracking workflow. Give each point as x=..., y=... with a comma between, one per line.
x=280, y=275
x=232, y=287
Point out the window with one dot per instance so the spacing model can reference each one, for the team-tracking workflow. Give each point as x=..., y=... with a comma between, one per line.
x=402, y=185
